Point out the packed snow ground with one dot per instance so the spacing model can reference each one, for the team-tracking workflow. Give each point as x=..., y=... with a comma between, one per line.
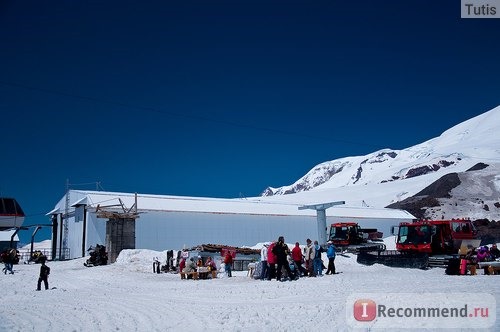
x=128, y=296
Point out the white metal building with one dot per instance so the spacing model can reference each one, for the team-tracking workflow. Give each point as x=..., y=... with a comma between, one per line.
x=174, y=222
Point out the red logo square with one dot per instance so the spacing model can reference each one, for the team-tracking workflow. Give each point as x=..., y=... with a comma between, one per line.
x=365, y=310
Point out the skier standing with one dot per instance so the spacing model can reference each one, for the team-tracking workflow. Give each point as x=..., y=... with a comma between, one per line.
x=44, y=275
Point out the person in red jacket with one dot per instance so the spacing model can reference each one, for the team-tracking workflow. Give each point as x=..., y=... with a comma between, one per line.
x=182, y=264
x=228, y=262
x=271, y=262
x=298, y=259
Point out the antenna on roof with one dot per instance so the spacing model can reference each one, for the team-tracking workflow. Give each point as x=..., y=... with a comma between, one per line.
x=98, y=186
x=64, y=244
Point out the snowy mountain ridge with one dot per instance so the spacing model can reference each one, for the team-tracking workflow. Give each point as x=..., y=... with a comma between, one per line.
x=455, y=150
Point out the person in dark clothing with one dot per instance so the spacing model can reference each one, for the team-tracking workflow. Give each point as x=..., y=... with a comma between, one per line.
x=281, y=251
x=9, y=257
x=44, y=275
x=7, y=262
x=494, y=252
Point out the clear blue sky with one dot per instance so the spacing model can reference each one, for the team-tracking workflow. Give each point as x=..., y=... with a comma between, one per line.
x=225, y=98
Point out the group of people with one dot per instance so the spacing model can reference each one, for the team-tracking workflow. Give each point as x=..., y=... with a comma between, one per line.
x=486, y=254
x=9, y=257
x=280, y=263
x=483, y=254
x=192, y=265
x=468, y=262
x=277, y=261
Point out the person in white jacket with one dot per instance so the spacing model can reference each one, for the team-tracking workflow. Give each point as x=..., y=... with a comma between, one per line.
x=190, y=266
x=263, y=260
x=309, y=254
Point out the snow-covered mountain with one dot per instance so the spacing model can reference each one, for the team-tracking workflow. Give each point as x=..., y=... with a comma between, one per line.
x=388, y=176
x=473, y=194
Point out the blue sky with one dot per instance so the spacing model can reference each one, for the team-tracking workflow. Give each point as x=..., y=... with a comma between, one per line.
x=225, y=98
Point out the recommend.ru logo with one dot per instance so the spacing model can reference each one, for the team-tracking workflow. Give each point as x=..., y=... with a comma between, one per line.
x=421, y=310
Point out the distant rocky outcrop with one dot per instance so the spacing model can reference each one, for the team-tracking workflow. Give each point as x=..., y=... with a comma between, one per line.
x=416, y=205
x=442, y=187
x=488, y=231
x=477, y=167
x=426, y=169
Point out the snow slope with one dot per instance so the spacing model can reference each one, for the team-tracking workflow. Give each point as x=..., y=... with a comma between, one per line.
x=127, y=296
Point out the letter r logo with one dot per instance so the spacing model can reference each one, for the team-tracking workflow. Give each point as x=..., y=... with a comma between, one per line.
x=364, y=310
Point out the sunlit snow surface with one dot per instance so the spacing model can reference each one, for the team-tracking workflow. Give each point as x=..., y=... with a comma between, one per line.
x=128, y=296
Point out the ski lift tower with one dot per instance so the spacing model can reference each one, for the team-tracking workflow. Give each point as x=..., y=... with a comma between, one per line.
x=321, y=217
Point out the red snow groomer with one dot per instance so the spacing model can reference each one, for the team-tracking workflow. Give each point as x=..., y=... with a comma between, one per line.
x=349, y=236
x=434, y=236
x=423, y=243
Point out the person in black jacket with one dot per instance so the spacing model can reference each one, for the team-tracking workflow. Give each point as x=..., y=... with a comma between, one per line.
x=6, y=258
x=494, y=252
x=281, y=251
x=44, y=275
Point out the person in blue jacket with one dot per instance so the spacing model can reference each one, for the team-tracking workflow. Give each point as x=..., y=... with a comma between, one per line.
x=318, y=261
x=330, y=253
